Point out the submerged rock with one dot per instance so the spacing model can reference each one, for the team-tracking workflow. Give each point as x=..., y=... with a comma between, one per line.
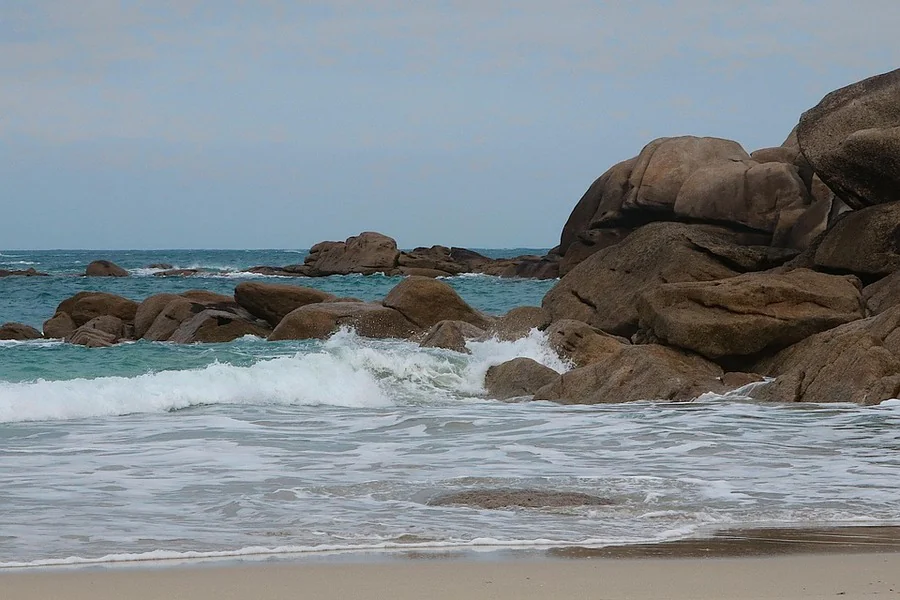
x=494, y=498
x=865, y=242
x=104, y=268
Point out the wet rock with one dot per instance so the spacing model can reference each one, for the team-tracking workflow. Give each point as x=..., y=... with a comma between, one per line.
x=519, y=322
x=178, y=273
x=163, y=266
x=84, y=306
x=104, y=268
x=419, y=272
x=425, y=302
x=99, y=332
x=29, y=272
x=18, y=332
x=451, y=335
x=494, y=498
x=750, y=313
x=581, y=344
x=319, y=321
x=59, y=326
x=272, y=302
x=516, y=378
x=216, y=326
x=171, y=317
x=148, y=310
x=645, y=372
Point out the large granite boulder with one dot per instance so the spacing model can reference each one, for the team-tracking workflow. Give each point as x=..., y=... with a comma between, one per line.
x=746, y=193
x=216, y=326
x=865, y=242
x=18, y=332
x=148, y=310
x=519, y=322
x=581, y=344
x=84, y=306
x=170, y=318
x=589, y=242
x=100, y=332
x=750, y=313
x=272, y=302
x=366, y=253
x=516, y=378
x=852, y=140
x=644, y=372
x=856, y=362
x=603, y=290
x=104, y=268
x=451, y=335
x=425, y=302
x=59, y=326
x=882, y=295
x=320, y=320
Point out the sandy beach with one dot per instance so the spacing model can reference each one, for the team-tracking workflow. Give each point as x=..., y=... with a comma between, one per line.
x=786, y=577
x=843, y=563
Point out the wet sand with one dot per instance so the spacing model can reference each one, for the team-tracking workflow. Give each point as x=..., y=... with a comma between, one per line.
x=841, y=563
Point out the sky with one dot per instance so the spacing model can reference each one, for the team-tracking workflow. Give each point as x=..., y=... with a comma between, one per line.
x=189, y=124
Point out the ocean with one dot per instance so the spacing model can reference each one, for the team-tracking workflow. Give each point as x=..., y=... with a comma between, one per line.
x=151, y=451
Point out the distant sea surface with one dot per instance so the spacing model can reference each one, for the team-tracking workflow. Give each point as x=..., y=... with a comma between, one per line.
x=155, y=451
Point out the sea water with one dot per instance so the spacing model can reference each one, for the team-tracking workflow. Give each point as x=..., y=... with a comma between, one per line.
x=254, y=448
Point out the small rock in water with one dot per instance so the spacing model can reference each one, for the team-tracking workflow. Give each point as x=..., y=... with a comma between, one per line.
x=505, y=497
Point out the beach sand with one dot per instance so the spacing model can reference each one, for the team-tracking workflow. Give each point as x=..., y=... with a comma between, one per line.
x=849, y=563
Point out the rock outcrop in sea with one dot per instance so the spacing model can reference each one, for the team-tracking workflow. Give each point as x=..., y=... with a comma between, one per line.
x=693, y=267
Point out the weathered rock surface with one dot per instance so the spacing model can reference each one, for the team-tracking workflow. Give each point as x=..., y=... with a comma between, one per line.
x=272, y=302
x=148, y=310
x=84, y=306
x=99, y=332
x=857, y=362
x=19, y=332
x=494, y=498
x=171, y=317
x=603, y=290
x=319, y=321
x=366, y=253
x=519, y=322
x=104, y=268
x=645, y=372
x=865, y=242
x=882, y=295
x=588, y=242
x=425, y=302
x=581, y=344
x=451, y=335
x=59, y=326
x=852, y=140
x=517, y=377
x=216, y=326
x=750, y=313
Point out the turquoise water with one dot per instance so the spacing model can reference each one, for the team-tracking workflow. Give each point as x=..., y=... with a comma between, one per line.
x=153, y=450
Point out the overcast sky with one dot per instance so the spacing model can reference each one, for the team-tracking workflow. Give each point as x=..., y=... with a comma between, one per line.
x=187, y=124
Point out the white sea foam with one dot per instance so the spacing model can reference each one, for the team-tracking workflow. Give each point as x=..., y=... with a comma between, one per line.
x=346, y=371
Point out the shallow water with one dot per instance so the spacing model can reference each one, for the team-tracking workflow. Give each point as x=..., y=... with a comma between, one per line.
x=157, y=450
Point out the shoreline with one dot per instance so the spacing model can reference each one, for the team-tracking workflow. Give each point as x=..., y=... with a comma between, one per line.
x=846, y=562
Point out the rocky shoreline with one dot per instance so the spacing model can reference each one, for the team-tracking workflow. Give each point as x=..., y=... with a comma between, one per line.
x=693, y=267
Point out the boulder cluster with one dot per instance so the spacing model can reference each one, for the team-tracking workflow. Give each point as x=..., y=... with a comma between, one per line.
x=693, y=267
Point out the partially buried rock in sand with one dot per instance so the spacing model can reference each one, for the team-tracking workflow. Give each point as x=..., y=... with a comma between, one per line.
x=504, y=498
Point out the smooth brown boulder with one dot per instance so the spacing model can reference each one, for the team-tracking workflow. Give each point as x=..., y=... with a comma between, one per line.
x=366, y=253
x=84, y=306
x=319, y=321
x=494, y=498
x=882, y=295
x=272, y=302
x=603, y=290
x=19, y=332
x=600, y=204
x=435, y=258
x=101, y=331
x=665, y=164
x=745, y=193
x=857, y=362
x=581, y=344
x=451, y=335
x=589, y=242
x=531, y=267
x=425, y=302
x=171, y=317
x=516, y=378
x=865, y=242
x=104, y=268
x=59, y=326
x=519, y=322
x=645, y=372
x=148, y=310
x=852, y=140
x=216, y=326
x=750, y=313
